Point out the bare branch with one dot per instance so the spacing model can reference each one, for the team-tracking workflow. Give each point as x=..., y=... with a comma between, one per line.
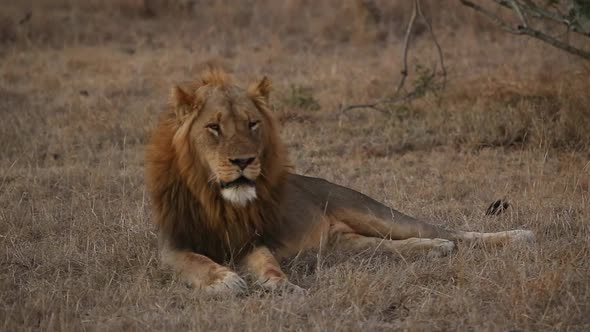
x=529, y=7
x=426, y=83
x=416, y=92
x=493, y=17
x=514, y=4
x=554, y=42
x=539, y=13
x=525, y=29
x=438, y=48
x=404, y=71
x=373, y=106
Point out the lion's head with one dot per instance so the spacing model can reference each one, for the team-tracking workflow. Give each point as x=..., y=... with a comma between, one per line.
x=229, y=132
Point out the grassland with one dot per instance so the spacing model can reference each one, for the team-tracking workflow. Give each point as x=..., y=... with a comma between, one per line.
x=81, y=84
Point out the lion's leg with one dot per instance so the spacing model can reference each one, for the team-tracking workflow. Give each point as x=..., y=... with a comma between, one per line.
x=399, y=227
x=386, y=223
x=366, y=216
x=203, y=273
x=262, y=264
x=406, y=227
x=346, y=238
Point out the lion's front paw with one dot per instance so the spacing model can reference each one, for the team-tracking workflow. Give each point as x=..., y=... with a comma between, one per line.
x=441, y=247
x=227, y=282
x=281, y=284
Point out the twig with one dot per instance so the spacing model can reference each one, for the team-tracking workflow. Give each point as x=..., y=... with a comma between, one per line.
x=514, y=4
x=559, y=18
x=554, y=42
x=524, y=29
x=438, y=48
x=418, y=91
x=26, y=18
x=407, y=38
x=376, y=106
x=493, y=17
x=373, y=106
x=541, y=13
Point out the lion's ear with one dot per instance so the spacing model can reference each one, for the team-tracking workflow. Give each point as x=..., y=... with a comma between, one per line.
x=260, y=89
x=185, y=103
x=182, y=101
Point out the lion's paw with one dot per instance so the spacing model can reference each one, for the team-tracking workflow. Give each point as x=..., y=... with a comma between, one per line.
x=282, y=285
x=228, y=282
x=441, y=247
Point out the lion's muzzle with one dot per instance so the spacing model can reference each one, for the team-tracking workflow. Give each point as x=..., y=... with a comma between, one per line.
x=239, y=191
x=242, y=163
x=241, y=181
x=237, y=179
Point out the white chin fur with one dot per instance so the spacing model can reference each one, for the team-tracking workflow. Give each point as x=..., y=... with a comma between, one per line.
x=239, y=195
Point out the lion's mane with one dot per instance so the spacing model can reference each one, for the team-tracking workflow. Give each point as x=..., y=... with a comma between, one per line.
x=190, y=212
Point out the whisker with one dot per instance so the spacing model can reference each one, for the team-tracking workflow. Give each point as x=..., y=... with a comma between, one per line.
x=212, y=179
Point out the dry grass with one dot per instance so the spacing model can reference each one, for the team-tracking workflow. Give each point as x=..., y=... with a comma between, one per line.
x=81, y=84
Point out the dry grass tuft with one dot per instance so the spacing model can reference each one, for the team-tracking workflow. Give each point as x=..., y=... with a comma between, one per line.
x=82, y=82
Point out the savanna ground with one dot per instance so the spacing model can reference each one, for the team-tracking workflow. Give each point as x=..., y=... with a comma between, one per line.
x=81, y=84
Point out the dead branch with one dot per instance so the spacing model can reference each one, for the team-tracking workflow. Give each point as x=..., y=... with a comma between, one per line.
x=525, y=29
x=441, y=58
x=516, y=7
x=407, y=38
x=534, y=11
x=491, y=16
x=379, y=106
x=418, y=91
x=554, y=42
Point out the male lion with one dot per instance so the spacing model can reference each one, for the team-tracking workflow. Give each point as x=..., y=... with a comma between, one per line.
x=223, y=192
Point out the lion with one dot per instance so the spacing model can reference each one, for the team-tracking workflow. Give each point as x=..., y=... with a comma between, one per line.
x=225, y=196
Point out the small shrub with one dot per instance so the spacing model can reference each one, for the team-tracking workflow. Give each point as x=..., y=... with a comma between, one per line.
x=301, y=97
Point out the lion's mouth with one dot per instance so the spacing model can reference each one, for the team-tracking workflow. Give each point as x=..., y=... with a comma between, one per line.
x=241, y=181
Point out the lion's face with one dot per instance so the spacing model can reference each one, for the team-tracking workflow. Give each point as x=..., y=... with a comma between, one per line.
x=226, y=129
x=228, y=134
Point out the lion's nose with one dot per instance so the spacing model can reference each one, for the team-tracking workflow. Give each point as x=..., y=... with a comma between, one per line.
x=242, y=163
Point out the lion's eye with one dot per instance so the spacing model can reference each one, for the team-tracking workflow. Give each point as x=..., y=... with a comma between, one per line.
x=253, y=125
x=214, y=128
